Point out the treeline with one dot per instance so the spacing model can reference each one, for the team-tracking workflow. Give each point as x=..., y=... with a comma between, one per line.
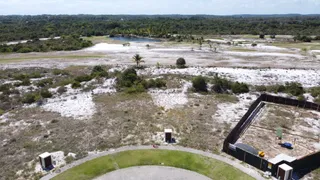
x=31, y=27
x=65, y=43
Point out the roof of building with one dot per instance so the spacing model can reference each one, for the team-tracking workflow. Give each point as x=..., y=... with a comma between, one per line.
x=285, y=167
x=168, y=130
x=281, y=157
x=44, y=155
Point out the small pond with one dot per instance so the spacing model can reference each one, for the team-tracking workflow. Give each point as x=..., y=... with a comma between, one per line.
x=135, y=39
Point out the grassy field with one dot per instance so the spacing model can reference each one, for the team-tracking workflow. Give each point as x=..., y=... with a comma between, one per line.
x=239, y=49
x=203, y=165
x=102, y=39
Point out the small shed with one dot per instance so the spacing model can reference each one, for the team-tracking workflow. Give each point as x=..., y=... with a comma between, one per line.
x=284, y=172
x=168, y=135
x=46, y=160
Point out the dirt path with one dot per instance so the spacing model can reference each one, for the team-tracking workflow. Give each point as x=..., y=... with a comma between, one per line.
x=233, y=163
x=152, y=172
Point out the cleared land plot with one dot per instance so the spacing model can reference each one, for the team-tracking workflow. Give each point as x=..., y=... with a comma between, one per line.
x=300, y=127
x=209, y=167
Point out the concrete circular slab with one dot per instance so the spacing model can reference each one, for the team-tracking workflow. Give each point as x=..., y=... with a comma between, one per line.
x=152, y=173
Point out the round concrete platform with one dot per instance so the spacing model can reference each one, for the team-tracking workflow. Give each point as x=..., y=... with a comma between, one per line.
x=152, y=173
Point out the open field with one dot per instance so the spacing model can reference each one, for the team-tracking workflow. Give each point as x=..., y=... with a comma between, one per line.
x=96, y=115
x=200, y=164
x=300, y=127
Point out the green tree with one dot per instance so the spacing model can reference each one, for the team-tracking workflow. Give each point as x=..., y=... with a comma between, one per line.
x=137, y=59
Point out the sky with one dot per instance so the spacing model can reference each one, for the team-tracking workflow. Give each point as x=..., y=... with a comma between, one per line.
x=213, y=7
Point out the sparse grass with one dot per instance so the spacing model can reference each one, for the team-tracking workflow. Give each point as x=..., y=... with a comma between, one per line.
x=7, y=60
x=212, y=168
x=226, y=97
x=298, y=45
x=101, y=39
x=239, y=49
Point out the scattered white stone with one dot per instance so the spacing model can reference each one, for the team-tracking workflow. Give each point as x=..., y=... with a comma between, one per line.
x=79, y=106
x=307, y=78
x=107, y=87
x=233, y=112
x=170, y=98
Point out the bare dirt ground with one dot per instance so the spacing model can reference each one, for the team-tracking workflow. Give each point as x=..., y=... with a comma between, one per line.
x=300, y=127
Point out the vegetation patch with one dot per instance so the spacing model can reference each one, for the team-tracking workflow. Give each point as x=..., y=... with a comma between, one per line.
x=211, y=168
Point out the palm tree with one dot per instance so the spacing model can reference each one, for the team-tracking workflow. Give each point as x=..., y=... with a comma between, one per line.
x=137, y=59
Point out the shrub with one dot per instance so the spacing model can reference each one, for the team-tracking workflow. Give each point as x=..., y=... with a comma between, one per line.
x=1, y=112
x=45, y=82
x=45, y=93
x=261, y=88
x=20, y=77
x=135, y=89
x=154, y=83
x=199, y=84
x=64, y=82
x=25, y=82
x=273, y=36
x=128, y=77
x=315, y=91
x=62, y=90
x=98, y=71
x=294, y=88
x=254, y=44
x=5, y=89
x=261, y=36
x=83, y=78
x=181, y=62
x=29, y=98
x=35, y=75
x=221, y=85
x=76, y=85
x=239, y=88
x=301, y=98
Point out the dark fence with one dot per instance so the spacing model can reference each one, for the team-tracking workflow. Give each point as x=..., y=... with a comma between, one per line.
x=301, y=166
x=241, y=126
x=249, y=158
x=306, y=164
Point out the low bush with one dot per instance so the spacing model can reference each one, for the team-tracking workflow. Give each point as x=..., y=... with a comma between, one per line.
x=83, y=78
x=29, y=98
x=315, y=91
x=45, y=93
x=135, y=89
x=35, y=75
x=238, y=88
x=98, y=71
x=1, y=112
x=154, y=83
x=62, y=90
x=221, y=85
x=199, y=84
x=25, y=82
x=45, y=82
x=76, y=85
x=294, y=88
x=20, y=77
x=261, y=88
x=128, y=78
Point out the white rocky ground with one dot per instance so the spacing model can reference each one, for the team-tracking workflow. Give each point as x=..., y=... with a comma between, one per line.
x=75, y=103
x=171, y=98
x=307, y=78
x=232, y=112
